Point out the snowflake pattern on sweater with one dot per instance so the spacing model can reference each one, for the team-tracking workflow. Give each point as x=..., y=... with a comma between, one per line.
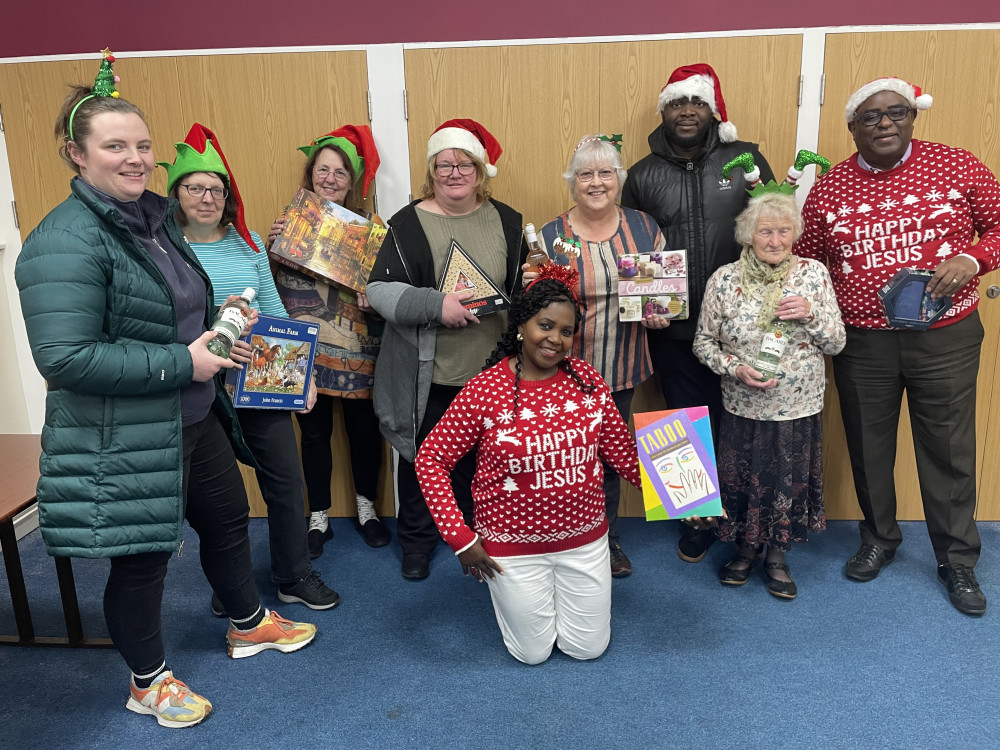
x=538, y=486
x=866, y=226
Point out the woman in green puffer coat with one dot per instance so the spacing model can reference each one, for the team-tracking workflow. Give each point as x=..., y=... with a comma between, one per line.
x=116, y=308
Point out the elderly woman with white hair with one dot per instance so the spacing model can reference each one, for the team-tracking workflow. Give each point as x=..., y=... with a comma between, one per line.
x=593, y=235
x=770, y=438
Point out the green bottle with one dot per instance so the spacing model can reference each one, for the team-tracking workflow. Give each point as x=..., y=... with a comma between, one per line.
x=772, y=347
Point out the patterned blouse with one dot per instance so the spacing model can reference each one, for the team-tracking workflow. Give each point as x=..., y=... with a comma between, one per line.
x=729, y=336
x=617, y=350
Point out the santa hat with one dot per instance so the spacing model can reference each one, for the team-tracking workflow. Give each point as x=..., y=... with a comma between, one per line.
x=357, y=143
x=469, y=136
x=201, y=152
x=689, y=81
x=908, y=91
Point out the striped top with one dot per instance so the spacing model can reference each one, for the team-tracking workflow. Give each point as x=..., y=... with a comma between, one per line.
x=232, y=265
x=616, y=350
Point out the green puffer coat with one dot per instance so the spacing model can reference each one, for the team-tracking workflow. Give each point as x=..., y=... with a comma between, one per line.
x=102, y=327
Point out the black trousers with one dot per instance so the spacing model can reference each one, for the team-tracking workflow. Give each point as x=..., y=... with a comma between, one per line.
x=364, y=442
x=218, y=510
x=937, y=369
x=271, y=437
x=415, y=527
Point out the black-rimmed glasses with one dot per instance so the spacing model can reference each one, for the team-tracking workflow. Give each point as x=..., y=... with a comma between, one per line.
x=198, y=191
x=874, y=116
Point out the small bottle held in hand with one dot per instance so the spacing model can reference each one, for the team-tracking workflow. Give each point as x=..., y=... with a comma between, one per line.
x=536, y=256
x=230, y=323
x=772, y=347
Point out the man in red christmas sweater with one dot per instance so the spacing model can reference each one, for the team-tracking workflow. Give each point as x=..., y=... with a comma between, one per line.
x=904, y=203
x=542, y=422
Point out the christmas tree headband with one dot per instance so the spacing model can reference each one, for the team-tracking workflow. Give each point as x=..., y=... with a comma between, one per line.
x=614, y=139
x=104, y=85
x=200, y=151
x=568, y=277
x=358, y=145
x=751, y=173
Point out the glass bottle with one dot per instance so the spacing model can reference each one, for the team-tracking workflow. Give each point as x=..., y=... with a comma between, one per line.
x=772, y=347
x=536, y=256
x=229, y=324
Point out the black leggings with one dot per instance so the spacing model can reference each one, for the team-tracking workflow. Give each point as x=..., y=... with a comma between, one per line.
x=218, y=512
x=363, y=440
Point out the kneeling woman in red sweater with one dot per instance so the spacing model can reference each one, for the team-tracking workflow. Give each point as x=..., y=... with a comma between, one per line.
x=540, y=422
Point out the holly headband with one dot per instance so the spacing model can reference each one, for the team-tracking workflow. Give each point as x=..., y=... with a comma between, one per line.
x=615, y=140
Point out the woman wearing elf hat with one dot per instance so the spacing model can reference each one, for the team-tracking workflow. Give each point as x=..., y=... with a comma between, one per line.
x=432, y=344
x=598, y=232
x=211, y=213
x=117, y=309
x=340, y=166
x=769, y=304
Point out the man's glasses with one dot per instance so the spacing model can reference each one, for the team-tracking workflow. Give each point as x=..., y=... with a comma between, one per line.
x=874, y=116
x=198, y=191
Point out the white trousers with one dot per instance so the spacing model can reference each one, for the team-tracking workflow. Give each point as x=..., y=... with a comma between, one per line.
x=562, y=598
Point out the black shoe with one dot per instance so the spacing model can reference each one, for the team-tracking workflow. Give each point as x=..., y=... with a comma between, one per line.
x=738, y=576
x=868, y=561
x=309, y=590
x=317, y=539
x=374, y=532
x=963, y=589
x=694, y=543
x=776, y=587
x=416, y=566
x=621, y=566
x=217, y=608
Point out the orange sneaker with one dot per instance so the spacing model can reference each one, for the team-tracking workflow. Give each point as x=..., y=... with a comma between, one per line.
x=274, y=631
x=172, y=702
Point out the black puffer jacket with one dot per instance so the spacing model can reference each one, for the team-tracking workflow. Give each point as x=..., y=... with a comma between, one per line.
x=695, y=207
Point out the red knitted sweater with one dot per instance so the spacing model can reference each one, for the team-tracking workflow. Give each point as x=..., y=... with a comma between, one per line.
x=866, y=226
x=538, y=484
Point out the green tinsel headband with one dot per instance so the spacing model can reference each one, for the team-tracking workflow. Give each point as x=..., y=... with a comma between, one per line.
x=104, y=85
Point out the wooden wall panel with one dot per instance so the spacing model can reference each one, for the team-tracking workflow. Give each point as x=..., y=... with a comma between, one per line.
x=537, y=100
x=262, y=107
x=632, y=74
x=948, y=65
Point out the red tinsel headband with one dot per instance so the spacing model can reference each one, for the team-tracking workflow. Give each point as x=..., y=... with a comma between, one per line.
x=568, y=277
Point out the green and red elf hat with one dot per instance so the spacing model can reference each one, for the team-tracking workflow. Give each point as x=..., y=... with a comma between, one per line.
x=356, y=141
x=201, y=152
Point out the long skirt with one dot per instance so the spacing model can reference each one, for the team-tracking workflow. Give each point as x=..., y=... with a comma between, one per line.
x=771, y=477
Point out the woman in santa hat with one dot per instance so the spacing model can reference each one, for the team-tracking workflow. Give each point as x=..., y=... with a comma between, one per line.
x=432, y=344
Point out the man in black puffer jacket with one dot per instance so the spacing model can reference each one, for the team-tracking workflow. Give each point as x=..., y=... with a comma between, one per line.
x=680, y=184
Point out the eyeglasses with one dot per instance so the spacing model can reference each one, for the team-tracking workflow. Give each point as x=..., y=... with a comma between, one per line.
x=766, y=234
x=605, y=175
x=873, y=117
x=321, y=173
x=198, y=191
x=444, y=169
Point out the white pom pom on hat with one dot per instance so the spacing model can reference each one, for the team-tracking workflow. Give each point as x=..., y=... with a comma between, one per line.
x=698, y=80
x=469, y=136
x=908, y=91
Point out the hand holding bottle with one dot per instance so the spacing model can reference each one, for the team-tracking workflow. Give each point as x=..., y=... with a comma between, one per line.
x=749, y=376
x=206, y=364
x=793, y=307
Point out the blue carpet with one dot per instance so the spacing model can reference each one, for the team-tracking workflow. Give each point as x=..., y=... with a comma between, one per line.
x=402, y=664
